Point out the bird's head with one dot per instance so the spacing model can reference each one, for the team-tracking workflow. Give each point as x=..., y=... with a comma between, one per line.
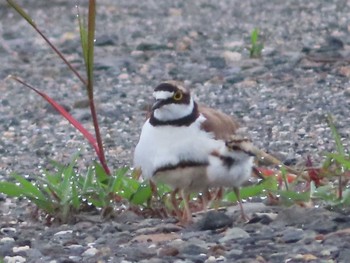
x=238, y=144
x=172, y=102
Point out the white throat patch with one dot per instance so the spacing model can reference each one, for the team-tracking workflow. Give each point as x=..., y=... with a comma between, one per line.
x=173, y=111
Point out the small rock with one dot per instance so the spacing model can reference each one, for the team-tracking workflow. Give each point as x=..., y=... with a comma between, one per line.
x=123, y=76
x=7, y=240
x=216, y=62
x=167, y=251
x=163, y=228
x=234, y=44
x=234, y=253
x=15, y=259
x=90, y=252
x=214, y=220
x=232, y=57
x=61, y=233
x=151, y=47
x=8, y=231
x=76, y=248
x=75, y=259
x=292, y=235
x=247, y=83
x=193, y=249
x=19, y=249
x=234, y=233
x=106, y=40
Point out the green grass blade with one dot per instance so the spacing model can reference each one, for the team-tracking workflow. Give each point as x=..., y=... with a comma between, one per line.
x=75, y=195
x=22, y=13
x=341, y=159
x=88, y=182
x=117, y=179
x=284, y=177
x=11, y=189
x=29, y=188
x=254, y=36
x=66, y=185
x=336, y=136
x=269, y=184
x=90, y=45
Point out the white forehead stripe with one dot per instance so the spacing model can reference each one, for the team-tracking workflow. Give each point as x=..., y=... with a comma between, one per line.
x=162, y=95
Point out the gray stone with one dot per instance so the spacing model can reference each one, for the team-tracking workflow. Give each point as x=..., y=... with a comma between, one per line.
x=214, y=220
x=292, y=235
x=90, y=252
x=233, y=234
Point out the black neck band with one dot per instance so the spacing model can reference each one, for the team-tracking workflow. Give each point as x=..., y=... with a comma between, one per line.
x=184, y=121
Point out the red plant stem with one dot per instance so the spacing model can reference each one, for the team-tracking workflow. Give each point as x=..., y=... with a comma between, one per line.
x=89, y=86
x=101, y=154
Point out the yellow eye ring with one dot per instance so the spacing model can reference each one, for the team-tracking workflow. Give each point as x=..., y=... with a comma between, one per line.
x=177, y=95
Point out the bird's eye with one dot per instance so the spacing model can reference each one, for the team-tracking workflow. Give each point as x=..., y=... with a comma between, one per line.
x=177, y=95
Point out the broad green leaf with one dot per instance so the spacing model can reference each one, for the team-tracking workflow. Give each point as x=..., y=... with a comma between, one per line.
x=101, y=175
x=163, y=189
x=343, y=160
x=269, y=184
x=11, y=189
x=142, y=195
x=294, y=196
x=29, y=188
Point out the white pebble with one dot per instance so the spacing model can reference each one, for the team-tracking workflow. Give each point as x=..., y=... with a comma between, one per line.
x=7, y=240
x=15, y=259
x=90, y=252
x=7, y=230
x=19, y=249
x=63, y=232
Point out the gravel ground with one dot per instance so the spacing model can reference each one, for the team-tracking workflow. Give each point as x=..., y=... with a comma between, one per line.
x=281, y=99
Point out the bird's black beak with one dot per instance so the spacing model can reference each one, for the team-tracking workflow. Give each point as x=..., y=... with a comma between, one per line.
x=157, y=104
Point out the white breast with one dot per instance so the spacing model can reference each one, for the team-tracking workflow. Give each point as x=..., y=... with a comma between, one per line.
x=160, y=146
x=220, y=175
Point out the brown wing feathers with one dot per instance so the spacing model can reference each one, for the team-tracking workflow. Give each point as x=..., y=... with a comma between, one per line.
x=220, y=124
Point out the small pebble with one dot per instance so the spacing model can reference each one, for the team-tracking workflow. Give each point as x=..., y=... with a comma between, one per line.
x=7, y=240
x=14, y=259
x=90, y=252
x=19, y=249
x=234, y=233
